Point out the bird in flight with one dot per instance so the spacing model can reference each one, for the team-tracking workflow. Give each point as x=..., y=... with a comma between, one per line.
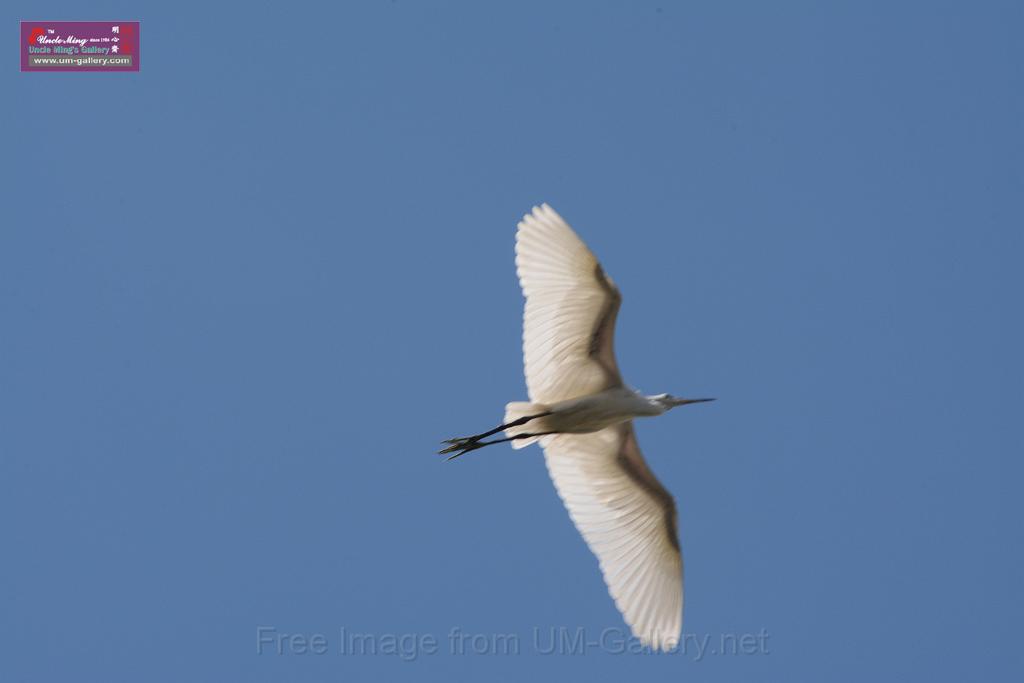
x=582, y=414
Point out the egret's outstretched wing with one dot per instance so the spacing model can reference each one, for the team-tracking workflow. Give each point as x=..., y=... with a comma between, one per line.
x=629, y=521
x=571, y=305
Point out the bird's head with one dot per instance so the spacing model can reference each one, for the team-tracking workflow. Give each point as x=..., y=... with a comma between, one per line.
x=668, y=401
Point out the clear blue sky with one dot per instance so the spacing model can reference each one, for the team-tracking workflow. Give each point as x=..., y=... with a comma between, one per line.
x=245, y=292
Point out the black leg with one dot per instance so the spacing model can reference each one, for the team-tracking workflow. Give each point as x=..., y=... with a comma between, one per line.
x=464, y=448
x=500, y=428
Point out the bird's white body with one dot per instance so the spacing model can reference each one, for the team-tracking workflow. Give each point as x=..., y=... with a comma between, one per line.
x=592, y=413
x=581, y=412
x=597, y=411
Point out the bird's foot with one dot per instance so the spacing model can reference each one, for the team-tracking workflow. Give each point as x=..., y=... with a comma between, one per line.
x=460, y=446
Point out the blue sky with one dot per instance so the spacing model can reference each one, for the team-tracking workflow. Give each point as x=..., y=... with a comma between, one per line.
x=246, y=291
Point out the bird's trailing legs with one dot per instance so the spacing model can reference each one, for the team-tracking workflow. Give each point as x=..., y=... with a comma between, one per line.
x=464, y=444
x=472, y=445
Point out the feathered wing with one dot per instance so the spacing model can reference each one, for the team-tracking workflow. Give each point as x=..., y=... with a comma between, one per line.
x=629, y=521
x=571, y=306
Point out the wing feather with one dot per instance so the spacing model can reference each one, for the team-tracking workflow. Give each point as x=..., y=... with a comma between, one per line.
x=571, y=307
x=629, y=521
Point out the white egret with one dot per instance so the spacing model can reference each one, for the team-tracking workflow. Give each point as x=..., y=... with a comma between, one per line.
x=581, y=412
